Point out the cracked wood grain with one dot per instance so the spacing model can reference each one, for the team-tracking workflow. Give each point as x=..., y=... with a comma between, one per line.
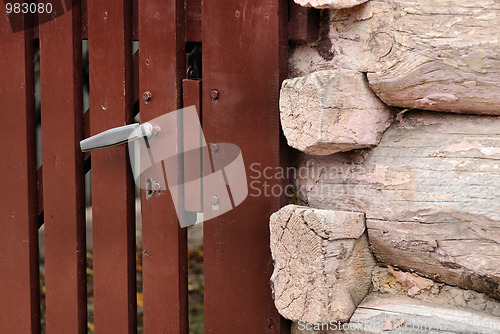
x=402, y=314
x=322, y=263
x=335, y=4
x=431, y=194
x=319, y=118
x=425, y=54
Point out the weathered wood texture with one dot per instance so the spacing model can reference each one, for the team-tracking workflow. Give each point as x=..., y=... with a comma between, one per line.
x=322, y=263
x=381, y=314
x=389, y=282
x=308, y=328
x=330, y=3
x=319, y=118
x=441, y=297
x=424, y=54
x=431, y=195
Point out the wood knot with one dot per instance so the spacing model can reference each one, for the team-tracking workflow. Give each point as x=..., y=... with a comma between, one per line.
x=380, y=44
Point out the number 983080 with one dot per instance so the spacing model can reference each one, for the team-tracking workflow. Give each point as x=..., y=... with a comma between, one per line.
x=26, y=8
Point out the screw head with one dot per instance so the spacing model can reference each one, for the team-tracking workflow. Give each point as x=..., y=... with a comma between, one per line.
x=214, y=94
x=156, y=130
x=214, y=147
x=147, y=96
x=215, y=199
x=215, y=203
x=156, y=186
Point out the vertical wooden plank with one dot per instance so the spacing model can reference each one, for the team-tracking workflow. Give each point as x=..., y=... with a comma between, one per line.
x=111, y=98
x=244, y=54
x=193, y=20
x=19, y=302
x=85, y=22
x=135, y=25
x=135, y=20
x=162, y=68
x=63, y=175
x=39, y=186
x=191, y=96
x=303, y=23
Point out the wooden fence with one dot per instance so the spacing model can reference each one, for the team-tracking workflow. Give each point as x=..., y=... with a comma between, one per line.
x=244, y=60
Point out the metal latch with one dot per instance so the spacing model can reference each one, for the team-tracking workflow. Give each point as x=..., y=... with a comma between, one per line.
x=170, y=153
x=117, y=136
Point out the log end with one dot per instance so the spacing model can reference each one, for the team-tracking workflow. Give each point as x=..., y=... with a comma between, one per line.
x=332, y=111
x=322, y=263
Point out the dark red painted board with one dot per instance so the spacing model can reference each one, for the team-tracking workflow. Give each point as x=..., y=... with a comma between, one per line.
x=135, y=33
x=111, y=102
x=193, y=20
x=244, y=59
x=86, y=127
x=19, y=279
x=63, y=174
x=161, y=70
x=39, y=186
x=191, y=94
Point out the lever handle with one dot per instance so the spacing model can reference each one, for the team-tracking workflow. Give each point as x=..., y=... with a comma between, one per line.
x=116, y=136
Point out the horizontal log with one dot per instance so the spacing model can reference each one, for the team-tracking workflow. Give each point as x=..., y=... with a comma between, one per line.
x=302, y=327
x=380, y=314
x=439, y=55
x=393, y=286
x=389, y=282
x=334, y=4
x=431, y=194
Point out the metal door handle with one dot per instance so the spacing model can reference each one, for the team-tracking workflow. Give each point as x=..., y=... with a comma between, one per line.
x=116, y=136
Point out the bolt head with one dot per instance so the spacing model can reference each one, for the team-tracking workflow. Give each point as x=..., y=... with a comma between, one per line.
x=147, y=96
x=156, y=130
x=215, y=203
x=214, y=147
x=214, y=94
x=215, y=199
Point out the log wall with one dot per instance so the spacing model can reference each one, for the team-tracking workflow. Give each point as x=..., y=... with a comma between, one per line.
x=431, y=194
x=433, y=54
x=429, y=185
